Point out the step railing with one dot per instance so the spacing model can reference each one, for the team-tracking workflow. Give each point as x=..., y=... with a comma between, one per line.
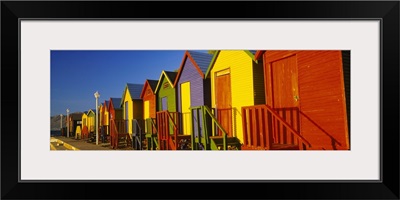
x=128, y=132
x=264, y=126
x=205, y=137
x=137, y=134
x=118, y=131
x=126, y=122
x=151, y=133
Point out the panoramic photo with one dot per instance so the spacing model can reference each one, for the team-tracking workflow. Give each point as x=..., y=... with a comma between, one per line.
x=154, y=100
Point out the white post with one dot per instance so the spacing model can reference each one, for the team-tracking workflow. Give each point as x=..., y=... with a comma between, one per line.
x=67, y=123
x=97, y=95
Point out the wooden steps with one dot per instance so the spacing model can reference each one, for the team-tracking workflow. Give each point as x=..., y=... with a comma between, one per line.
x=233, y=143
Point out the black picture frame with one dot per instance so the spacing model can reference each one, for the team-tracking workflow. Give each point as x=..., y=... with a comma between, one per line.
x=386, y=11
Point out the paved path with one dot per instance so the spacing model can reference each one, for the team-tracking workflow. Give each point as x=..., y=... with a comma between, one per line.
x=57, y=146
x=74, y=144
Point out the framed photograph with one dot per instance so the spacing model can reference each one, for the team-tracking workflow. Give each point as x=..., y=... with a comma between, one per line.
x=313, y=113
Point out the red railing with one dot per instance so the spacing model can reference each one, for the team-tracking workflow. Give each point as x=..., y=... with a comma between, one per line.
x=167, y=122
x=118, y=131
x=151, y=134
x=264, y=127
x=151, y=127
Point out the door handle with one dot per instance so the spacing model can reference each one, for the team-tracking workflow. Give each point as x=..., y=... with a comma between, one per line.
x=296, y=98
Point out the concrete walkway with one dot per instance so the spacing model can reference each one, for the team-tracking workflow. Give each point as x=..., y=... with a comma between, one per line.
x=54, y=145
x=74, y=144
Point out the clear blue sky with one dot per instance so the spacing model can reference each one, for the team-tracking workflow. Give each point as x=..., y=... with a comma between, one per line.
x=77, y=75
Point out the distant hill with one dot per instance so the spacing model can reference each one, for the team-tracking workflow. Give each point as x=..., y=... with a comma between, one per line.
x=55, y=122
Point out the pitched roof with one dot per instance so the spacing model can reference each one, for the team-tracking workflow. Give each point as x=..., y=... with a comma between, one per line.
x=116, y=102
x=202, y=59
x=171, y=76
x=91, y=110
x=134, y=89
x=151, y=83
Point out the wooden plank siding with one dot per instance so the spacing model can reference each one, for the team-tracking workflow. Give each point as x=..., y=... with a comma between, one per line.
x=91, y=120
x=84, y=120
x=167, y=122
x=166, y=89
x=105, y=113
x=198, y=97
x=106, y=118
x=135, y=106
x=191, y=74
x=149, y=95
x=240, y=66
x=322, y=99
x=116, y=116
x=127, y=101
x=115, y=112
x=149, y=104
x=137, y=112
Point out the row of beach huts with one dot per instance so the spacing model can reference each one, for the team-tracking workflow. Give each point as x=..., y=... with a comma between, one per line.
x=232, y=100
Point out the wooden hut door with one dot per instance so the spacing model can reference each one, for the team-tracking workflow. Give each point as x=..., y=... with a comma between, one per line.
x=285, y=93
x=185, y=107
x=223, y=100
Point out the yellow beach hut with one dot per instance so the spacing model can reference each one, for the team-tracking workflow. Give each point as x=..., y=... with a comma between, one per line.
x=85, y=129
x=132, y=106
x=88, y=123
x=91, y=121
x=105, y=120
x=236, y=80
